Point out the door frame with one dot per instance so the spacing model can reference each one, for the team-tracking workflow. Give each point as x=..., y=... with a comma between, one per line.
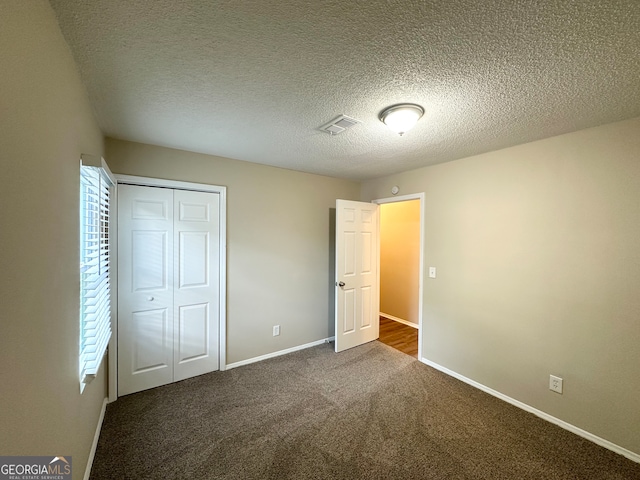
x=222, y=317
x=404, y=198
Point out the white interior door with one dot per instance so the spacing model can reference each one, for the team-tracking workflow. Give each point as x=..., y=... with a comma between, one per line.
x=357, y=274
x=168, y=285
x=145, y=288
x=196, y=273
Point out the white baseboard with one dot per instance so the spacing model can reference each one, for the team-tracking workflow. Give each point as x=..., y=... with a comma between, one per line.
x=277, y=354
x=94, y=445
x=399, y=320
x=635, y=457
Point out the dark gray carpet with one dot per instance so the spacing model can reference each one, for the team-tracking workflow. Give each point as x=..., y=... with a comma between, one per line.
x=367, y=413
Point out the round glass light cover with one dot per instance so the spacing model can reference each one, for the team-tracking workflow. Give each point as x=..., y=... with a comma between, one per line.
x=401, y=119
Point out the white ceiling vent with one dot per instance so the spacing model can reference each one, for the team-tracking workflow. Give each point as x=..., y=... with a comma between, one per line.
x=339, y=125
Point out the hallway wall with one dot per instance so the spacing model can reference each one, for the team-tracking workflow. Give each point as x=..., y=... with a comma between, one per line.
x=400, y=259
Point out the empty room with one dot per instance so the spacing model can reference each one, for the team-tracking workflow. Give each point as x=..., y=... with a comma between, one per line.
x=215, y=214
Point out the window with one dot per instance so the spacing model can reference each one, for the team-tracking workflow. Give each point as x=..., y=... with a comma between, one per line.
x=96, y=184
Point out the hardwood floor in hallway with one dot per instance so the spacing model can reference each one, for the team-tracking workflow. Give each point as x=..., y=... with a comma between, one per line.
x=399, y=336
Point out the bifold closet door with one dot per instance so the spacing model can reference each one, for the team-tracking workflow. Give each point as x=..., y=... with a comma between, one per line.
x=196, y=243
x=168, y=286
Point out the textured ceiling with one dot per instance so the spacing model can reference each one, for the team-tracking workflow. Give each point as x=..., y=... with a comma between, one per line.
x=253, y=80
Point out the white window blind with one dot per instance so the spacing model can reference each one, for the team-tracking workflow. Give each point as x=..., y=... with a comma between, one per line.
x=95, y=291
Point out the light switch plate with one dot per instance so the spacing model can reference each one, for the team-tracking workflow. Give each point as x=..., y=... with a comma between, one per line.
x=432, y=272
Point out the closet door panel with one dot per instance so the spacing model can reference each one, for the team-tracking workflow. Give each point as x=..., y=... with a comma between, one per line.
x=145, y=288
x=197, y=272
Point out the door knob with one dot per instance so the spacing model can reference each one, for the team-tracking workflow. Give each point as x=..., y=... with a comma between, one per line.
x=341, y=284
x=150, y=299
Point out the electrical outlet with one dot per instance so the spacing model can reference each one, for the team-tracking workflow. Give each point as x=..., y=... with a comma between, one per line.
x=276, y=330
x=555, y=384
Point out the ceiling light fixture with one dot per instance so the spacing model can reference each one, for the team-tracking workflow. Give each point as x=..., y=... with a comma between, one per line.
x=402, y=117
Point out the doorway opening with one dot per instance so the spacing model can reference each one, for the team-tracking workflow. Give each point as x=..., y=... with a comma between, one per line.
x=401, y=253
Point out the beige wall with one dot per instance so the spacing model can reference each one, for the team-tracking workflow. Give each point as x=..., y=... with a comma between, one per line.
x=538, y=256
x=278, y=242
x=400, y=259
x=45, y=124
